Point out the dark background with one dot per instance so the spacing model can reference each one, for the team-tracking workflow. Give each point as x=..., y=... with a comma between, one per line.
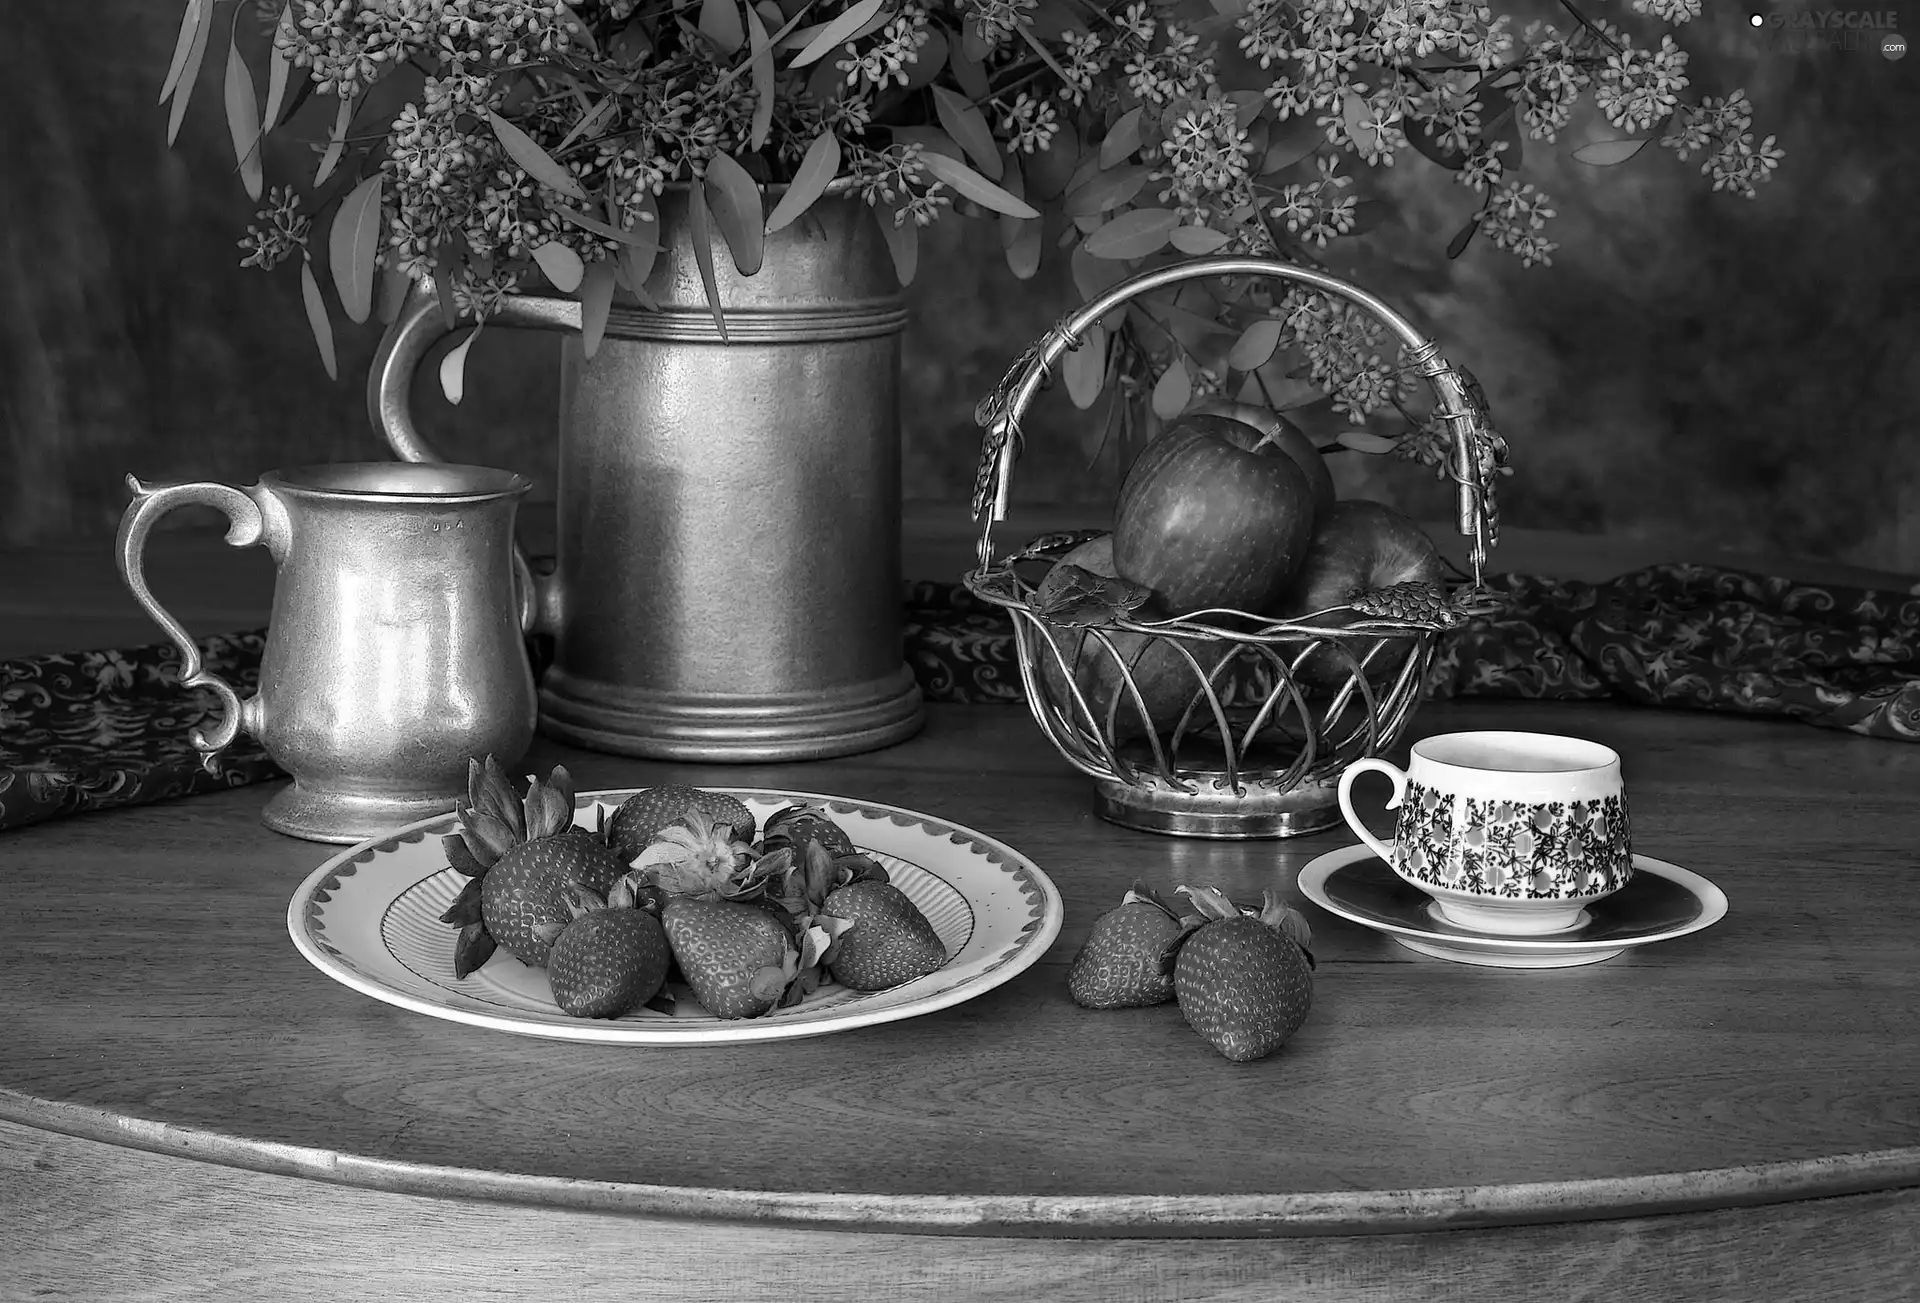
x=1693, y=366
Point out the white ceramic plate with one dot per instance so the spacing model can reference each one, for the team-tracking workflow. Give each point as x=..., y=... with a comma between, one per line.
x=1660, y=902
x=370, y=918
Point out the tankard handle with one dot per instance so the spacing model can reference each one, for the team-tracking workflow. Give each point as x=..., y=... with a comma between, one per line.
x=419, y=325
x=247, y=525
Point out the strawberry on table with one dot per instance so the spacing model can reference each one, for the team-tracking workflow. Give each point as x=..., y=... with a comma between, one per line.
x=518, y=854
x=611, y=958
x=1122, y=965
x=738, y=958
x=889, y=942
x=1244, y=982
x=642, y=817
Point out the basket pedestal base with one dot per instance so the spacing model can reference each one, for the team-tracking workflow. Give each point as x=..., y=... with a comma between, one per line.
x=1213, y=809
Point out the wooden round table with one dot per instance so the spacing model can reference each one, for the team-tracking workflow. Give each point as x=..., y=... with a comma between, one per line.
x=187, y=1107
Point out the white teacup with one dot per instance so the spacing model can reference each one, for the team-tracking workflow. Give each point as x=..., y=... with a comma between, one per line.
x=1511, y=833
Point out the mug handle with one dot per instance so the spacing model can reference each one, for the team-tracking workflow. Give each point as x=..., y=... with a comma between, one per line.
x=247, y=525
x=1353, y=771
x=418, y=327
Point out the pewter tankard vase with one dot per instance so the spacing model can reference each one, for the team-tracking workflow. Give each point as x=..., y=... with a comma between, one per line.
x=727, y=585
x=395, y=650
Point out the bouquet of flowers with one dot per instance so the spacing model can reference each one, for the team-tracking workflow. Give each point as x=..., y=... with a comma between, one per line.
x=482, y=145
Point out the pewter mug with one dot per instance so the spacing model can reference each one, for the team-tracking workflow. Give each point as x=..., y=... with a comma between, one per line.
x=727, y=581
x=395, y=649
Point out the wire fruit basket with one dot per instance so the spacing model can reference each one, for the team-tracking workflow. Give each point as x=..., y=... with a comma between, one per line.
x=1223, y=723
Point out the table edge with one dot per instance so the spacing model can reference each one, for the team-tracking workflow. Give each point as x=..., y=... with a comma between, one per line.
x=1345, y=1212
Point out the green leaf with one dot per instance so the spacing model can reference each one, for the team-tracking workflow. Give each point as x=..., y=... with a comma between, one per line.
x=816, y=172
x=1255, y=345
x=1134, y=233
x=1247, y=106
x=1421, y=136
x=838, y=32
x=1289, y=142
x=1122, y=139
x=1023, y=254
x=971, y=185
x=352, y=243
x=1086, y=368
x=720, y=23
x=453, y=368
x=561, y=265
x=903, y=242
x=317, y=318
x=968, y=127
x=1172, y=391
x=192, y=17
x=1075, y=596
x=394, y=284
x=1361, y=441
x=1105, y=191
x=1359, y=116
x=1093, y=277
x=596, y=299
x=637, y=259
x=762, y=72
x=533, y=160
x=970, y=72
x=189, y=70
x=734, y=197
x=929, y=62
x=599, y=227
x=702, y=223
x=1463, y=237
x=1014, y=184
x=279, y=68
x=336, y=143
x=1198, y=241
x=1609, y=153
x=931, y=140
x=590, y=123
x=243, y=121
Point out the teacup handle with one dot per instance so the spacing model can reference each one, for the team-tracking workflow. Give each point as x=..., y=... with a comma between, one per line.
x=1353, y=771
x=248, y=525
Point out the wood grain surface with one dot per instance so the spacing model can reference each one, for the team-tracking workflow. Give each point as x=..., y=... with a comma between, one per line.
x=1734, y=1107
x=165, y=992
x=101, y=1222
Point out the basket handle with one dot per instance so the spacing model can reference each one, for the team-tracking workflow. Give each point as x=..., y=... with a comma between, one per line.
x=1477, y=450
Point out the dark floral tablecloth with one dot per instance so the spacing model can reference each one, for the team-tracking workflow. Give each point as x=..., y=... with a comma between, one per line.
x=92, y=730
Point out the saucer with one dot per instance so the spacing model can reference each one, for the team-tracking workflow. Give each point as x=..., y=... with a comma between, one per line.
x=1660, y=902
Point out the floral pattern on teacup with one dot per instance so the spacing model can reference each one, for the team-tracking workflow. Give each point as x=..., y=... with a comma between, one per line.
x=1519, y=849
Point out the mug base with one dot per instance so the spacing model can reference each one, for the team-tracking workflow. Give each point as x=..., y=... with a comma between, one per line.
x=1519, y=918
x=731, y=728
x=344, y=818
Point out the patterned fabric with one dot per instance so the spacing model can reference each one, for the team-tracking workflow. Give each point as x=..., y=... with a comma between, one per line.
x=92, y=730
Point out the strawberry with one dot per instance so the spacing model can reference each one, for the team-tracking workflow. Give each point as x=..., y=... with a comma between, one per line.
x=889, y=941
x=1121, y=965
x=798, y=825
x=643, y=816
x=612, y=956
x=738, y=958
x=518, y=853
x=1243, y=981
x=702, y=856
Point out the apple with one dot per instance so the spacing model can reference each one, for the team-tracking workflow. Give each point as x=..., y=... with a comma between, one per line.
x=1165, y=680
x=1288, y=437
x=1213, y=514
x=1358, y=545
